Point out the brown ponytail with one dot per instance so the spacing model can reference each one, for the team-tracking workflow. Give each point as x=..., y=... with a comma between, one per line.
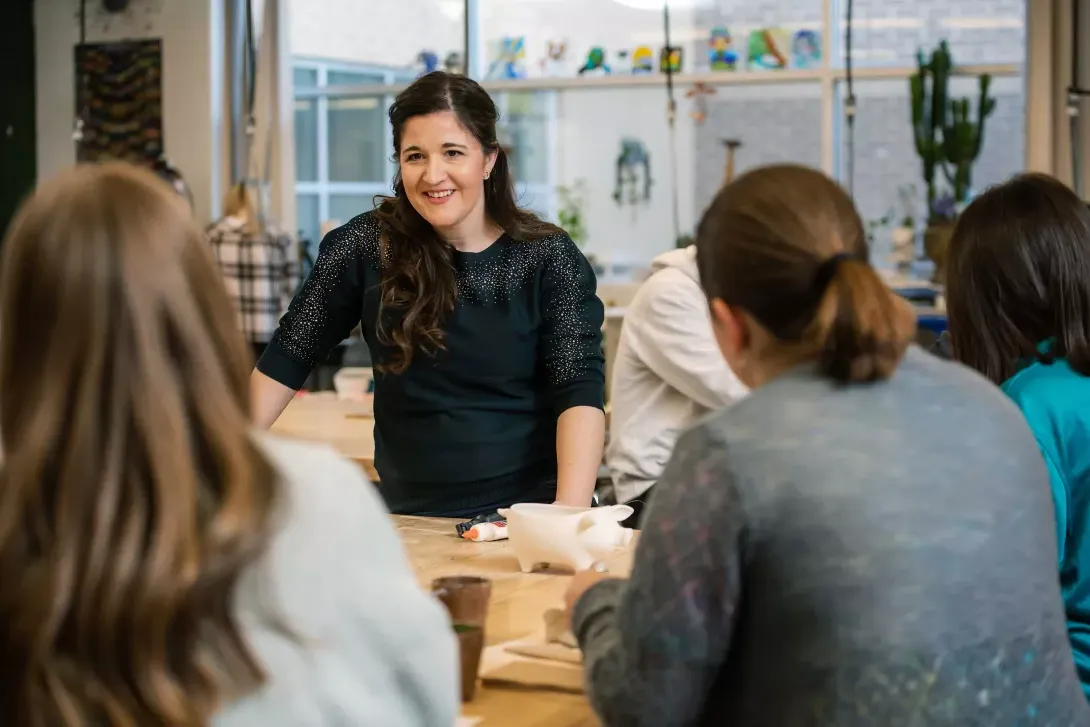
x=786, y=244
x=864, y=326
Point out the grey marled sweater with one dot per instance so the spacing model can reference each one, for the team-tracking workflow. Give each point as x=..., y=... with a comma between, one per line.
x=877, y=555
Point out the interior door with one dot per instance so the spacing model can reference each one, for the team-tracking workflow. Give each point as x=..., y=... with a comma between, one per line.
x=18, y=160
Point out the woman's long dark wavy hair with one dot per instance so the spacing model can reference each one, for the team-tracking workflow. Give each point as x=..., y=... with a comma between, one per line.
x=418, y=283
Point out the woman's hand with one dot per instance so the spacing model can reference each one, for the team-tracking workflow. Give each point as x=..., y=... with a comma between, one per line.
x=578, y=586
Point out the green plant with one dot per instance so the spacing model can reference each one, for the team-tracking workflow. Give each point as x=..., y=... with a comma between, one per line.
x=571, y=214
x=876, y=224
x=947, y=135
x=684, y=241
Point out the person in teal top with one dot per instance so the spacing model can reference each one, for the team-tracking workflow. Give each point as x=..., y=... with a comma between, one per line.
x=1018, y=304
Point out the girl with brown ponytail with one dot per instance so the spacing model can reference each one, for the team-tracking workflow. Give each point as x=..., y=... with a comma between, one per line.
x=864, y=540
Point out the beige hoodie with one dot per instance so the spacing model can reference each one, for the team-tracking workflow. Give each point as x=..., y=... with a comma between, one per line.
x=668, y=373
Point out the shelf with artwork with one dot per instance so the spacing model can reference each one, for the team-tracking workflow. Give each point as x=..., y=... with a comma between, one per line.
x=712, y=78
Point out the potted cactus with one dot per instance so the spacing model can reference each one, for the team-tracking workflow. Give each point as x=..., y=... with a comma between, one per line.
x=949, y=134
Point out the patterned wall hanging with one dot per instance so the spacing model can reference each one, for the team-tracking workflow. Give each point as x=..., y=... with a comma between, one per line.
x=119, y=96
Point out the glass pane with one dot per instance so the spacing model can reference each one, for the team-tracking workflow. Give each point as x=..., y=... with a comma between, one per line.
x=305, y=77
x=306, y=140
x=537, y=198
x=757, y=34
x=386, y=35
x=352, y=78
x=357, y=139
x=593, y=127
x=769, y=124
x=885, y=151
x=598, y=128
x=516, y=35
x=306, y=216
x=524, y=133
x=889, y=33
x=343, y=207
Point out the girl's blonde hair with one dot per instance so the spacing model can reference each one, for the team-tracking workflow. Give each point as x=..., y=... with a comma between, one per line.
x=240, y=202
x=132, y=496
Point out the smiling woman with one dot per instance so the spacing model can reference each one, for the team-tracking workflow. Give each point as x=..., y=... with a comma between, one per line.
x=482, y=321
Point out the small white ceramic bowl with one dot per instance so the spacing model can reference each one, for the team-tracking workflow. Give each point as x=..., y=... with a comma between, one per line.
x=354, y=383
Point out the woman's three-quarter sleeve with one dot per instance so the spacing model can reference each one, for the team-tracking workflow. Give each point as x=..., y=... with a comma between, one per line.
x=571, y=338
x=323, y=312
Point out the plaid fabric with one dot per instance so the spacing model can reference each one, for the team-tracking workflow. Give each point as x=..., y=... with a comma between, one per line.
x=259, y=273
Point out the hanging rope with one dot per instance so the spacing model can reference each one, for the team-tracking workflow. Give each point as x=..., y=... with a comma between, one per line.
x=671, y=116
x=81, y=114
x=849, y=103
x=254, y=180
x=1075, y=95
x=249, y=81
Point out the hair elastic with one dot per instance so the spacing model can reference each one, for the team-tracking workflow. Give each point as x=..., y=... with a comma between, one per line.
x=826, y=270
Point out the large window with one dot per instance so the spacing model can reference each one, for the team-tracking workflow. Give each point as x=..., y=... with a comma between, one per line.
x=342, y=157
x=564, y=130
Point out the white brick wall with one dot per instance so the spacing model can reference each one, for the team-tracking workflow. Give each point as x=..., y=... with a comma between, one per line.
x=888, y=32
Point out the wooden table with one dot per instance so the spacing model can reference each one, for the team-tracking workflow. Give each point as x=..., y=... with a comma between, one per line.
x=322, y=417
x=518, y=602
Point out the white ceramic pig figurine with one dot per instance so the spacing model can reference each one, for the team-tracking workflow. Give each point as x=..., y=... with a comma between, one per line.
x=570, y=536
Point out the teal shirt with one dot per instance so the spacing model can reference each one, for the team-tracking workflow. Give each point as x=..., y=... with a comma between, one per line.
x=1056, y=402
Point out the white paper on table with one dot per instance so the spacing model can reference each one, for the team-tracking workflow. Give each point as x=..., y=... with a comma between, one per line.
x=467, y=721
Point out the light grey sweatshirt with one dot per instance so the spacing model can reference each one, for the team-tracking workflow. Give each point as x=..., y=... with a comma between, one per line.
x=373, y=648
x=668, y=373
x=818, y=556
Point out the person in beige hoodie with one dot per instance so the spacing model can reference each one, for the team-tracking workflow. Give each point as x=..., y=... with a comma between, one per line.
x=668, y=373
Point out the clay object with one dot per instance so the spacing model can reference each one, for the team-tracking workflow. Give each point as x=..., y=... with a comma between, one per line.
x=732, y=146
x=556, y=628
x=595, y=64
x=470, y=647
x=643, y=60
x=574, y=537
x=552, y=652
x=466, y=599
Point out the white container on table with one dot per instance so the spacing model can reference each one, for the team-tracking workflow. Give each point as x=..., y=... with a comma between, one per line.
x=355, y=383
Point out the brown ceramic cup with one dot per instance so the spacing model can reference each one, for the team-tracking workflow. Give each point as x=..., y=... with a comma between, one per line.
x=466, y=599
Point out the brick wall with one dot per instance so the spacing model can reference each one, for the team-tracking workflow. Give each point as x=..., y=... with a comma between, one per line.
x=775, y=124
x=888, y=32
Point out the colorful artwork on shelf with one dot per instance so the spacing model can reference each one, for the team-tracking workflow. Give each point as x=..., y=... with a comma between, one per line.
x=623, y=64
x=454, y=63
x=595, y=65
x=426, y=62
x=699, y=94
x=806, y=49
x=721, y=53
x=768, y=49
x=508, y=59
x=553, y=63
x=643, y=60
x=670, y=59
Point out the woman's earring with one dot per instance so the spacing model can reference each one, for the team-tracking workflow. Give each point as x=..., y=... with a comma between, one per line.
x=487, y=175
